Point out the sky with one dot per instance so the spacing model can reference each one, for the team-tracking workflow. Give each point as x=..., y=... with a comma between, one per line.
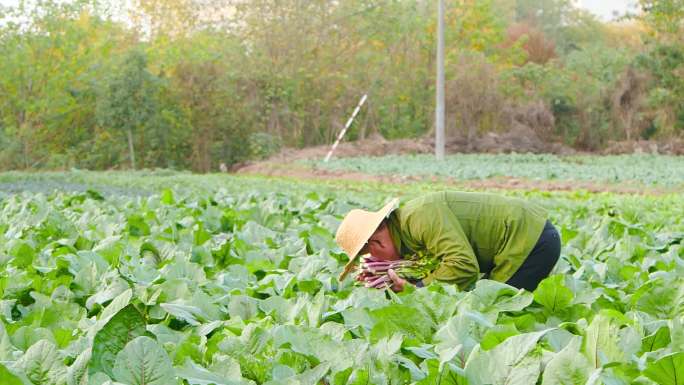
x=602, y=8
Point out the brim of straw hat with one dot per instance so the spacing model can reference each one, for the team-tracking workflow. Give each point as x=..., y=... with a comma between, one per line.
x=357, y=227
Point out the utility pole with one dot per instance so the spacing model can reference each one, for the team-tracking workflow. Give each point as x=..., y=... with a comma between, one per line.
x=439, y=107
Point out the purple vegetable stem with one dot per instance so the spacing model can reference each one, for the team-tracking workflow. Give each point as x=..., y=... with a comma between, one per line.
x=376, y=281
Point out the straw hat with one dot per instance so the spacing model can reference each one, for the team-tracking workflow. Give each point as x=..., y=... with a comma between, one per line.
x=355, y=229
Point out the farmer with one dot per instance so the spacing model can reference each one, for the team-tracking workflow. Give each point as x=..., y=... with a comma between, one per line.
x=468, y=235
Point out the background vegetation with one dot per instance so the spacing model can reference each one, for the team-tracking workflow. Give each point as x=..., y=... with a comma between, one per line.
x=190, y=84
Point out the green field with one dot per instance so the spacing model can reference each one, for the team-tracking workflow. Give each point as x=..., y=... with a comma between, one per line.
x=174, y=278
x=648, y=170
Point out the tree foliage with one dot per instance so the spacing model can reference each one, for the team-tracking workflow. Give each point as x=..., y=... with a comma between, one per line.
x=187, y=83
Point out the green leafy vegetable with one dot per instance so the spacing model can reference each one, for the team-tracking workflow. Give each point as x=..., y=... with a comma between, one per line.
x=143, y=362
x=236, y=279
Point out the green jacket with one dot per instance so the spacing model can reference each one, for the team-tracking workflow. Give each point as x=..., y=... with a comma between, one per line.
x=468, y=234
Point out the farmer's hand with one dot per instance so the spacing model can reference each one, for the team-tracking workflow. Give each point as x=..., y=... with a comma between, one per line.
x=397, y=282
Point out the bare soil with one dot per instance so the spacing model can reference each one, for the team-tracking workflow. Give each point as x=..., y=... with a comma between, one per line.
x=519, y=140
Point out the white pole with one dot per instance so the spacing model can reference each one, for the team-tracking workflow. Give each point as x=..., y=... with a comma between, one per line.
x=346, y=126
x=439, y=108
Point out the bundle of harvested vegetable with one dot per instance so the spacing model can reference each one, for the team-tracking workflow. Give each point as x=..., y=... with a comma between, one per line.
x=373, y=271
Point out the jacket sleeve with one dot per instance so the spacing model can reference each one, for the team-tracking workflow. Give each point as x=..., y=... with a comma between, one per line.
x=438, y=230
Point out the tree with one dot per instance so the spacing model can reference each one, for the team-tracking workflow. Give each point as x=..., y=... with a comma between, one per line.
x=201, y=91
x=187, y=83
x=129, y=101
x=568, y=26
x=51, y=54
x=665, y=61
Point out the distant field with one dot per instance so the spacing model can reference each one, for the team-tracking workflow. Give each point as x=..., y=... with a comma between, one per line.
x=651, y=170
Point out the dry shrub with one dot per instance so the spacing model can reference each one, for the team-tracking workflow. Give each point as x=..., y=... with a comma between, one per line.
x=473, y=99
x=536, y=116
x=626, y=102
x=539, y=49
x=475, y=105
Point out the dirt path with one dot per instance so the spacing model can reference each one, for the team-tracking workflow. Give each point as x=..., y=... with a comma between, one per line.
x=501, y=183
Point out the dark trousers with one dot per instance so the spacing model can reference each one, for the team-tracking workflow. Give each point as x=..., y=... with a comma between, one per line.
x=541, y=260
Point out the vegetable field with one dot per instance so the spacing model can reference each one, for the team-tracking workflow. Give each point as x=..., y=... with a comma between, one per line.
x=647, y=170
x=181, y=279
